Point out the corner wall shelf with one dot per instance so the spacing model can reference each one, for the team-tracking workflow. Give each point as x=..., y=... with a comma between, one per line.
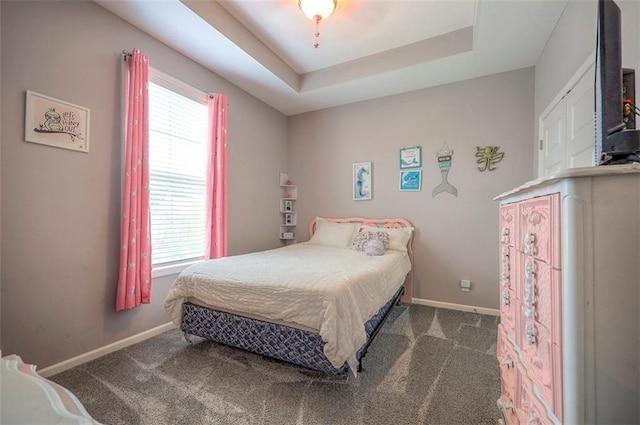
x=289, y=217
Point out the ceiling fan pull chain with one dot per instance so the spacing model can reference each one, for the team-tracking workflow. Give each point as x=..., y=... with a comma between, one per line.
x=316, y=44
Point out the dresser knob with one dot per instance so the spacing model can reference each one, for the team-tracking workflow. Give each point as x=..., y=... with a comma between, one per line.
x=529, y=289
x=529, y=333
x=529, y=243
x=505, y=297
x=505, y=266
x=505, y=235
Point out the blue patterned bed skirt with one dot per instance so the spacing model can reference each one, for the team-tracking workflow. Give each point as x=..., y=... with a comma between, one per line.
x=300, y=347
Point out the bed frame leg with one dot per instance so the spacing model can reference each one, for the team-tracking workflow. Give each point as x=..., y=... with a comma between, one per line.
x=188, y=338
x=377, y=329
x=401, y=294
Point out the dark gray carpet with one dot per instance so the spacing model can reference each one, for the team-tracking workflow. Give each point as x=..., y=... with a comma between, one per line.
x=426, y=366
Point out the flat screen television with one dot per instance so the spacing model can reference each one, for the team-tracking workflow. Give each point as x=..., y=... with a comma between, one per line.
x=619, y=140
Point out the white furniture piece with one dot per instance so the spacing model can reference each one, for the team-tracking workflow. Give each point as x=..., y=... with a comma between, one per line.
x=567, y=128
x=288, y=197
x=569, y=338
x=27, y=398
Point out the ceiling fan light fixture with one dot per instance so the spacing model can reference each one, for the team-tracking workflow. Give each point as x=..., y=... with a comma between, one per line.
x=317, y=10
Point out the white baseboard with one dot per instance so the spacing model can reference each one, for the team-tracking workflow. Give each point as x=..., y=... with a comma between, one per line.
x=115, y=346
x=99, y=352
x=460, y=307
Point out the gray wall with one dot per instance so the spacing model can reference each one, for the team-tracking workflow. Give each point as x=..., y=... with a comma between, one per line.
x=456, y=237
x=572, y=42
x=60, y=208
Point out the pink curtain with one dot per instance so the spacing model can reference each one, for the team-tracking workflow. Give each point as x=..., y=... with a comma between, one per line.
x=134, y=283
x=216, y=184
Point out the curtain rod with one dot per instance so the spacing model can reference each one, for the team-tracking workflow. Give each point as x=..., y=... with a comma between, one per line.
x=126, y=54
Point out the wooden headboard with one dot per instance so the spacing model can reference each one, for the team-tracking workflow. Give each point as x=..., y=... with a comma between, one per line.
x=389, y=223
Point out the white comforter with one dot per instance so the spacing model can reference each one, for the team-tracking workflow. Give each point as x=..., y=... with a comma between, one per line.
x=331, y=290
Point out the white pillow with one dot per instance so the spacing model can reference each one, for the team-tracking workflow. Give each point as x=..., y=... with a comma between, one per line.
x=334, y=234
x=398, y=238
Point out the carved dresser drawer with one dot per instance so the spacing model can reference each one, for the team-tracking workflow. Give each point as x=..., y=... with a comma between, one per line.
x=538, y=228
x=543, y=365
x=569, y=338
x=531, y=411
x=509, y=377
x=507, y=224
x=540, y=295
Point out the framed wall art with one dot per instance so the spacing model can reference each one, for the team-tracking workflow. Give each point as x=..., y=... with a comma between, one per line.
x=57, y=123
x=362, y=187
x=411, y=157
x=411, y=180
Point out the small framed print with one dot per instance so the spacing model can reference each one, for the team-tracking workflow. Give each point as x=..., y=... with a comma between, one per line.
x=288, y=205
x=54, y=122
x=411, y=180
x=288, y=219
x=411, y=157
x=362, y=188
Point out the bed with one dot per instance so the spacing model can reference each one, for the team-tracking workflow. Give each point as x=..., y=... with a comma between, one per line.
x=317, y=304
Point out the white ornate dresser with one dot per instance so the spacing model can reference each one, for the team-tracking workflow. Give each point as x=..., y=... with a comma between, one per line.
x=569, y=338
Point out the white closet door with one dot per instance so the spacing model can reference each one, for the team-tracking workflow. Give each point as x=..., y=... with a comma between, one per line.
x=567, y=131
x=552, y=155
x=580, y=123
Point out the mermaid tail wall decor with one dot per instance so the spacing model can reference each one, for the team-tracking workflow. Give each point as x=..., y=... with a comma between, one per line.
x=445, y=186
x=444, y=162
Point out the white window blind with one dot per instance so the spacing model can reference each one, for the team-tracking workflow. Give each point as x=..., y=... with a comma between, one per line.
x=177, y=170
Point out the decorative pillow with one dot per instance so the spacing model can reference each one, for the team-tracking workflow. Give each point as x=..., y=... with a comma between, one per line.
x=363, y=237
x=330, y=233
x=374, y=247
x=398, y=238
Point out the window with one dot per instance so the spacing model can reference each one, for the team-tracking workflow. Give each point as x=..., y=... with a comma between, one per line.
x=177, y=171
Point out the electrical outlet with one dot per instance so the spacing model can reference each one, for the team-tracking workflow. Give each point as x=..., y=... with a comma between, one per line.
x=465, y=285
